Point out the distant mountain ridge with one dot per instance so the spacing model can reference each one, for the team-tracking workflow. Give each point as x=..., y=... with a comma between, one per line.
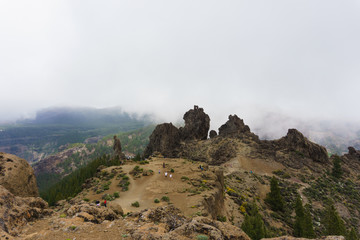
x=34, y=139
x=86, y=116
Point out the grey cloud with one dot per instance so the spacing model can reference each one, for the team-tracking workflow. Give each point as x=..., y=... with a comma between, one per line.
x=300, y=58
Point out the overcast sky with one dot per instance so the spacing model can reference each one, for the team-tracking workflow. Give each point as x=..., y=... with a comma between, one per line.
x=300, y=58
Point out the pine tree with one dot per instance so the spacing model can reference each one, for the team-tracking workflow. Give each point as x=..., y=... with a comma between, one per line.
x=333, y=223
x=352, y=235
x=303, y=226
x=299, y=218
x=308, y=224
x=274, y=197
x=337, y=171
x=253, y=224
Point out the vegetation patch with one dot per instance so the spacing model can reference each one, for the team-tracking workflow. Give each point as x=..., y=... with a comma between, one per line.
x=165, y=199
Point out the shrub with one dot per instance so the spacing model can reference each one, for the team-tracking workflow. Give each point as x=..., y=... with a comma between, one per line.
x=221, y=218
x=108, y=197
x=156, y=200
x=135, y=204
x=86, y=199
x=202, y=237
x=165, y=199
x=116, y=195
x=184, y=178
x=63, y=215
x=172, y=170
x=72, y=228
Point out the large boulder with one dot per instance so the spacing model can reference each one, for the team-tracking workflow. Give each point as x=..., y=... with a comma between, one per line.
x=165, y=139
x=17, y=176
x=295, y=141
x=18, y=211
x=197, y=124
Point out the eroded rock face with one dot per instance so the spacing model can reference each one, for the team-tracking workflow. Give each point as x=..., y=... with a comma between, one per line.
x=197, y=124
x=295, y=141
x=17, y=211
x=165, y=139
x=17, y=176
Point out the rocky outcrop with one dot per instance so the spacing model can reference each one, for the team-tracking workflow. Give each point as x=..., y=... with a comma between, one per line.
x=213, y=229
x=165, y=139
x=235, y=127
x=197, y=124
x=17, y=176
x=92, y=213
x=296, y=142
x=18, y=211
x=117, y=148
x=171, y=224
x=212, y=134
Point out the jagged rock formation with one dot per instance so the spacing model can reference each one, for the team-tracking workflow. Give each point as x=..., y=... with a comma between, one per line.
x=296, y=142
x=353, y=153
x=17, y=211
x=197, y=124
x=165, y=139
x=117, y=148
x=351, y=160
x=235, y=127
x=17, y=176
x=293, y=150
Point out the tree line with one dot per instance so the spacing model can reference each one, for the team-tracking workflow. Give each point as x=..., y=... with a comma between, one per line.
x=71, y=185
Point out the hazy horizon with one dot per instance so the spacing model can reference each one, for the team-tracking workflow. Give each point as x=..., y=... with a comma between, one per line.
x=298, y=59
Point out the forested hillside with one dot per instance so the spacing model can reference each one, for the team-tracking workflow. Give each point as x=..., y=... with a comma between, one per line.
x=47, y=134
x=53, y=168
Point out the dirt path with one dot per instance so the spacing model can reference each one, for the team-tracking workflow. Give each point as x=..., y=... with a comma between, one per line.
x=147, y=188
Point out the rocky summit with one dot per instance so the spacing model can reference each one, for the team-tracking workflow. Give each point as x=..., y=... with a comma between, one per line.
x=197, y=124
